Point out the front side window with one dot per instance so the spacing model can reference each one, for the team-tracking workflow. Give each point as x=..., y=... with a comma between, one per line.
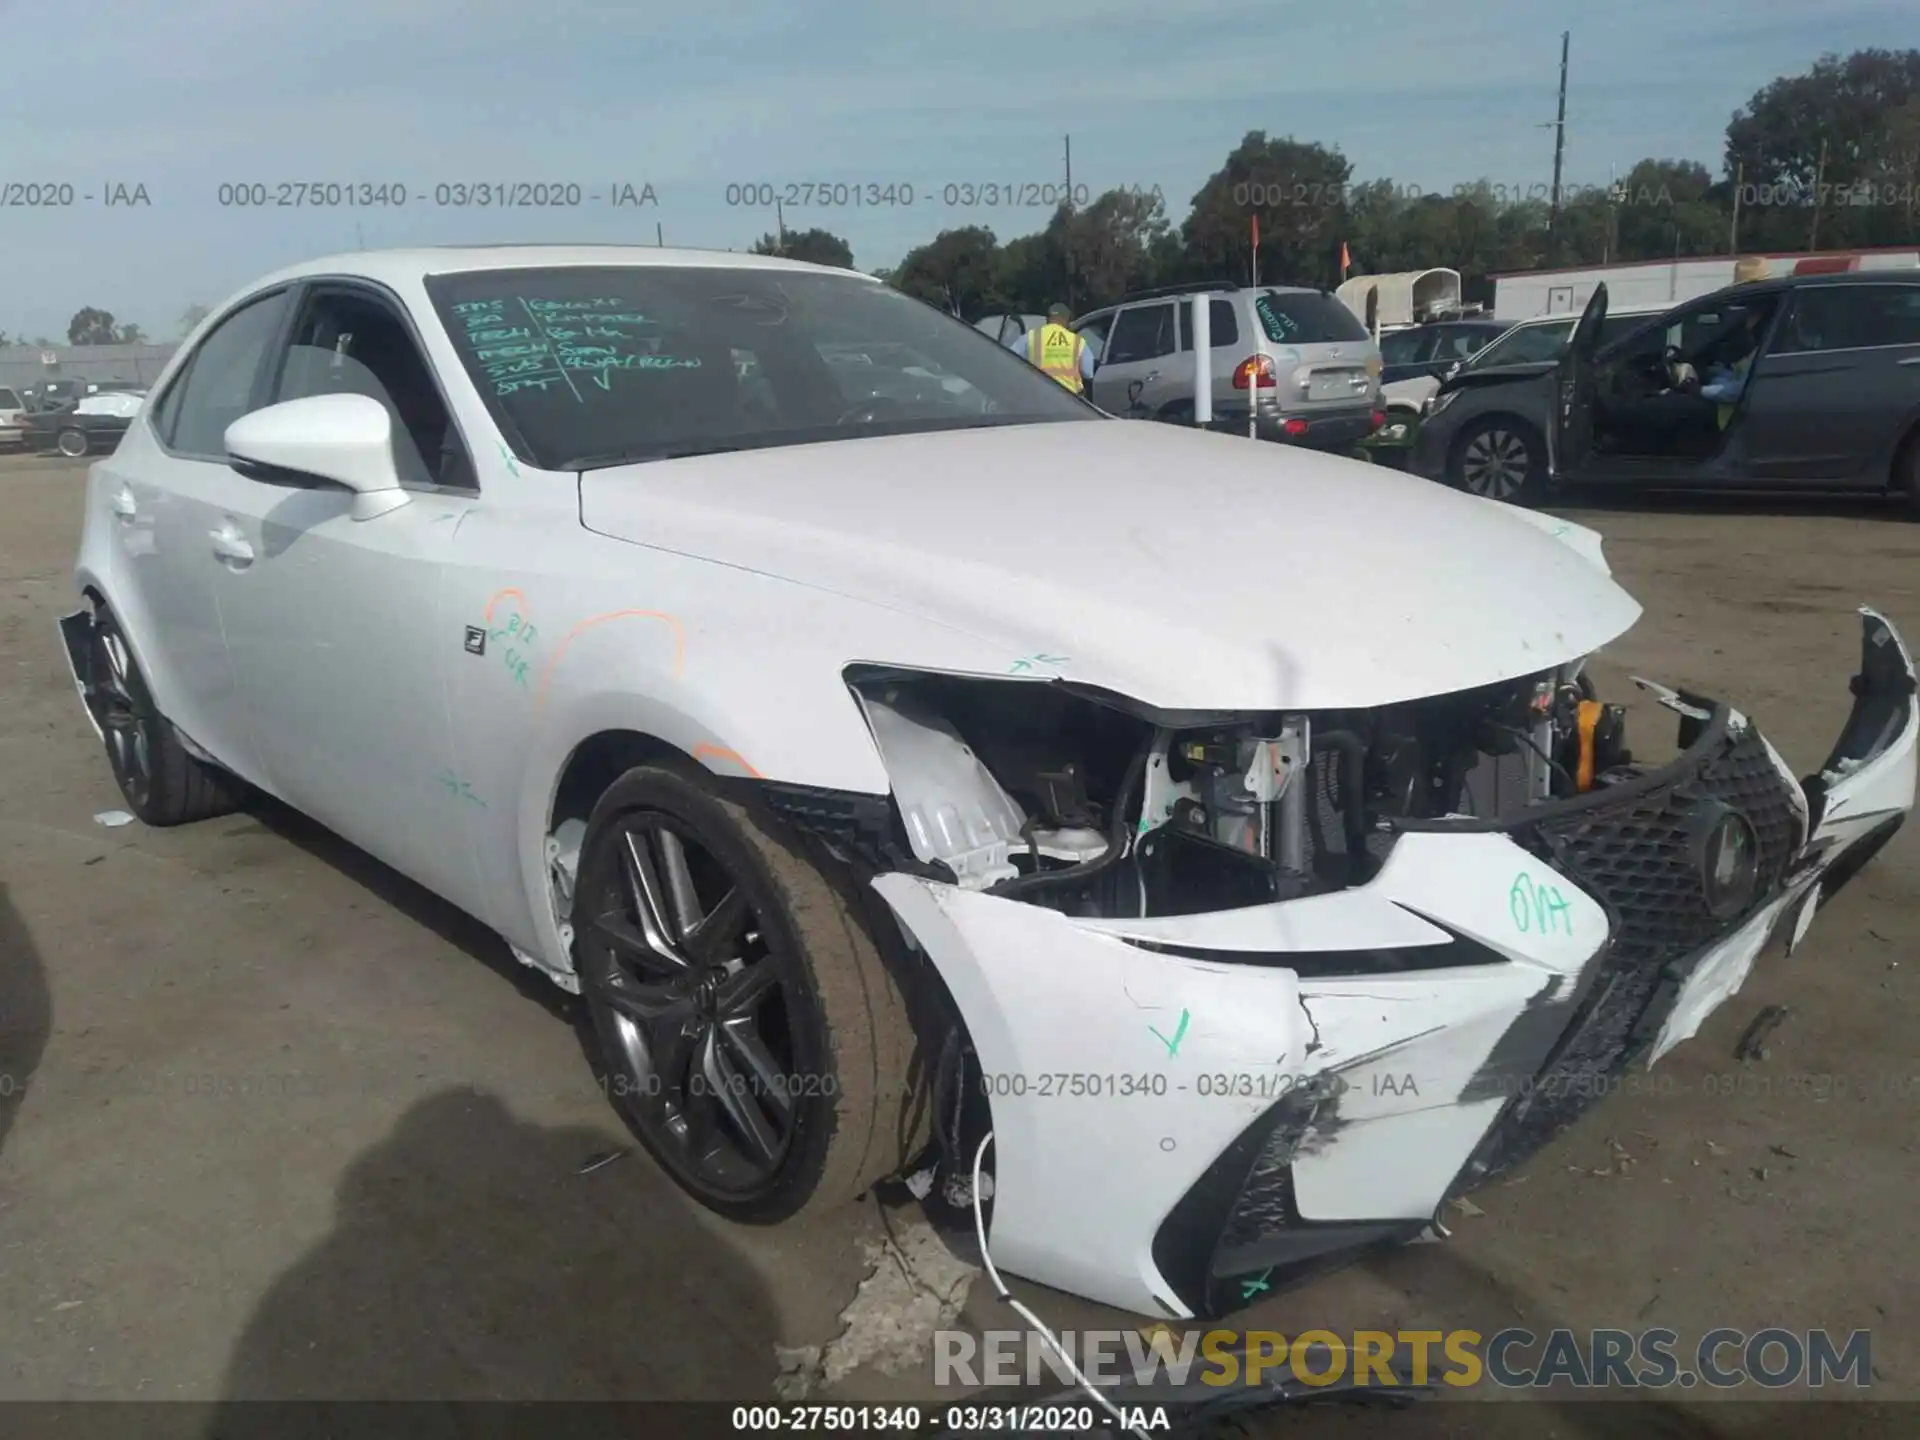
x=586, y=366
x=351, y=343
x=9, y=400
x=218, y=386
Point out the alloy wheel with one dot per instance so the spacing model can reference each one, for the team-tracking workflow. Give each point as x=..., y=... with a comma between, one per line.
x=126, y=727
x=72, y=444
x=693, y=1009
x=1496, y=464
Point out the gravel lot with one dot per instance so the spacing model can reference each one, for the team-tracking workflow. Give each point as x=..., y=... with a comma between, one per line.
x=277, y=1123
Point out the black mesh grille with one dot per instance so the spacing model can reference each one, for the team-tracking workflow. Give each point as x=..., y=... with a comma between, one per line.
x=1637, y=859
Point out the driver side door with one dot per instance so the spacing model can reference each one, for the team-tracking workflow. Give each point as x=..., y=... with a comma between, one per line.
x=1570, y=451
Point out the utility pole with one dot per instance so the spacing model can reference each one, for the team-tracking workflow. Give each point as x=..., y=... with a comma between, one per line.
x=1559, y=143
x=780, y=224
x=1739, y=184
x=659, y=235
x=1819, y=182
x=1072, y=268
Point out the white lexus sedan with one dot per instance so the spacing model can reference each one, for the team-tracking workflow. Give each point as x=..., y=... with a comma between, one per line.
x=1229, y=832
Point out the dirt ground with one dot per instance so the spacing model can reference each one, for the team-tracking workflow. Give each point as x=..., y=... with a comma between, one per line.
x=278, y=1124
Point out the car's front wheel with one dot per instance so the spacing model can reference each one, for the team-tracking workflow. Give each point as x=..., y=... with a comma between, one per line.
x=748, y=1029
x=162, y=783
x=1501, y=458
x=73, y=443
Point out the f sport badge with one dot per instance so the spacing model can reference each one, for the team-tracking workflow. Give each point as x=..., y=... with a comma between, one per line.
x=476, y=640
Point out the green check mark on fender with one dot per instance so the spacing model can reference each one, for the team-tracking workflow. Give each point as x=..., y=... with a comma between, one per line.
x=1179, y=1034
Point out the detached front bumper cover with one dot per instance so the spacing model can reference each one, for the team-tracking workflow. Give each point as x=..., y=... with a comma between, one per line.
x=1189, y=1110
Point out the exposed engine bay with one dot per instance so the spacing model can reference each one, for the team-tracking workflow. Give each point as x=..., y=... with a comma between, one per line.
x=1083, y=803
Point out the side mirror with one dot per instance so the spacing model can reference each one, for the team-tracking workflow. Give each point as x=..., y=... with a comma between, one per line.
x=344, y=441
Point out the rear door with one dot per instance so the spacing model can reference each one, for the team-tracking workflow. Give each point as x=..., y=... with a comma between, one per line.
x=1228, y=348
x=167, y=489
x=1572, y=438
x=1140, y=370
x=1838, y=386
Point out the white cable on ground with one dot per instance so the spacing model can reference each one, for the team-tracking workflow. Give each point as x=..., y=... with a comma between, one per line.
x=980, y=1231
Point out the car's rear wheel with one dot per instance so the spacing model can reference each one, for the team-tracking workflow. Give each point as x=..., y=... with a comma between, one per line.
x=1906, y=472
x=72, y=443
x=161, y=783
x=748, y=1029
x=1501, y=458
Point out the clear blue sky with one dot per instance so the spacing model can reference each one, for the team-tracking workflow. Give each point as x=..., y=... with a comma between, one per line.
x=182, y=97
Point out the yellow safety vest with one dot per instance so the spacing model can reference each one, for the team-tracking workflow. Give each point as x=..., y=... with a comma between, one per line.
x=1056, y=350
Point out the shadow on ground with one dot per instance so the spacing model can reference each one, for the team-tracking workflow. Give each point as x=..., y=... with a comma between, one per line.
x=26, y=1011
x=470, y=1260
x=1788, y=505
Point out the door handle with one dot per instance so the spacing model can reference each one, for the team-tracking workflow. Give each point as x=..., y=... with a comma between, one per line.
x=1152, y=375
x=231, y=546
x=124, y=505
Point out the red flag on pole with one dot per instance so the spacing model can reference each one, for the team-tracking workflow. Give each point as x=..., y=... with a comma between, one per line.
x=1346, y=260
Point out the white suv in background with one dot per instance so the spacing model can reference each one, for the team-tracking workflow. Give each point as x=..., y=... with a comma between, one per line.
x=1308, y=361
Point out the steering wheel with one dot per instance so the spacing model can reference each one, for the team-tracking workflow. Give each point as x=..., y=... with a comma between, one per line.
x=873, y=408
x=1680, y=375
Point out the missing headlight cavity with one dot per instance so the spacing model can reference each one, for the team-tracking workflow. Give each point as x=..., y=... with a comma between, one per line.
x=1090, y=804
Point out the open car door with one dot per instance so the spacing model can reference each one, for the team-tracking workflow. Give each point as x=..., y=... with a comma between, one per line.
x=1573, y=398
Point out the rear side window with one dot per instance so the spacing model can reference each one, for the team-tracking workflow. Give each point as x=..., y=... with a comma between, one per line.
x=1222, y=325
x=9, y=400
x=1403, y=347
x=1853, y=317
x=217, y=388
x=1305, y=317
x=1144, y=332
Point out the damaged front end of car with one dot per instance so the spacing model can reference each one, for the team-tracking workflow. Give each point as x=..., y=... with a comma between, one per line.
x=1241, y=995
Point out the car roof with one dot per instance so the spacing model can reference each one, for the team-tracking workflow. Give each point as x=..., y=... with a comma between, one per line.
x=395, y=267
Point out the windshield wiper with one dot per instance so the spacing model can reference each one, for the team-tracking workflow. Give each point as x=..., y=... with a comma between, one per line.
x=637, y=457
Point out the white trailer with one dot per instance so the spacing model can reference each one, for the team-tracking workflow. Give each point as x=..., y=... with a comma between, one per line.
x=1657, y=283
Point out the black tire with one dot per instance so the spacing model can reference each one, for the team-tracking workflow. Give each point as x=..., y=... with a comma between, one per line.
x=1906, y=473
x=846, y=1055
x=162, y=784
x=72, y=443
x=1500, y=457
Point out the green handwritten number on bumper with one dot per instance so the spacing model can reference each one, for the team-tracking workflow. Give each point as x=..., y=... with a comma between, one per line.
x=1538, y=909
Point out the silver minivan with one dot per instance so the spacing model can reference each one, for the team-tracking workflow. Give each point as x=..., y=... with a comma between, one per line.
x=1301, y=356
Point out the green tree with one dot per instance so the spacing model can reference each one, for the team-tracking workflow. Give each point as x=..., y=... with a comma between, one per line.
x=816, y=246
x=1844, y=106
x=129, y=334
x=191, y=317
x=91, y=327
x=958, y=270
x=1298, y=190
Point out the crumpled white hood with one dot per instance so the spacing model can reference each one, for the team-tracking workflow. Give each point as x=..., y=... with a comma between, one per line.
x=1187, y=570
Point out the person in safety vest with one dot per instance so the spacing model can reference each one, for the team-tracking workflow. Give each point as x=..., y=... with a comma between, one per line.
x=1057, y=351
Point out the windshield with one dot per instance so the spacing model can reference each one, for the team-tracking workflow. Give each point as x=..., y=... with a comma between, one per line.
x=592, y=366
